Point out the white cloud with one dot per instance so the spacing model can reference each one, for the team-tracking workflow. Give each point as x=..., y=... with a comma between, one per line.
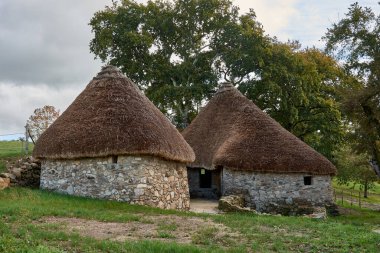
x=46, y=41
x=19, y=101
x=275, y=15
x=305, y=21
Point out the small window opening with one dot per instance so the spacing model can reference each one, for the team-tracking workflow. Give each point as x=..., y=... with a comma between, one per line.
x=307, y=180
x=114, y=159
x=205, y=178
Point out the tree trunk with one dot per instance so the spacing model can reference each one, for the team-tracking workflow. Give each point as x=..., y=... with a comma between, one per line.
x=365, y=194
x=185, y=116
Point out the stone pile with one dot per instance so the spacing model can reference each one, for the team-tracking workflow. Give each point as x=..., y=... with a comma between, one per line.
x=233, y=203
x=236, y=203
x=25, y=172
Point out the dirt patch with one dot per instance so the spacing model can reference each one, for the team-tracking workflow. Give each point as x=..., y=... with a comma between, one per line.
x=168, y=228
x=204, y=206
x=355, y=201
x=347, y=211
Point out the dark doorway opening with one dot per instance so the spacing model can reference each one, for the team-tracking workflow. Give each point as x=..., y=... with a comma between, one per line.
x=205, y=178
x=204, y=183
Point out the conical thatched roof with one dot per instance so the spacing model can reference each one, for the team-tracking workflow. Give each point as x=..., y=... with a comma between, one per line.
x=112, y=117
x=232, y=131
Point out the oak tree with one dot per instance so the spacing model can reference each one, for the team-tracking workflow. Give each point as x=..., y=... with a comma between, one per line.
x=355, y=41
x=176, y=51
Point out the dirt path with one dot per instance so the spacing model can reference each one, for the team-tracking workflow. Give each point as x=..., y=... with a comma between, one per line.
x=204, y=206
x=169, y=228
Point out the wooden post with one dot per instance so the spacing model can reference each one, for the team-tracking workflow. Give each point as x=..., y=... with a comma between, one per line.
x=360, y=202
x=22, y=145
x=351, y=196
x=342, y=196
x=26, y=140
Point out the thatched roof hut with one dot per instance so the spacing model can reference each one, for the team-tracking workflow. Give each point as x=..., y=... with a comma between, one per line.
x=112, y=117
x=231, y=131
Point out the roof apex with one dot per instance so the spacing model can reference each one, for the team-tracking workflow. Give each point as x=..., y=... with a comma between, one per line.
x=109, y=71
x=226, y=86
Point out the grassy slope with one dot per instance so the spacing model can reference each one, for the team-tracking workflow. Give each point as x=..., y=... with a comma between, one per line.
x=19, y=207
x=11, y=150
x=347, y=190
x=355, y=187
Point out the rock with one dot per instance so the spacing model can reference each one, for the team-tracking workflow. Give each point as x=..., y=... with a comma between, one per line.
x=332, y=209
x=25, y=172
x=8, y=175
x=4, y=183
x=297, y=207
x=319, y=213
x=233, y=203
x=16, y=172
x=35, y=165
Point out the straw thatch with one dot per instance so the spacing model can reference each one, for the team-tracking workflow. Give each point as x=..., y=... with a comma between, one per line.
x=112, y=117
x=232, y=131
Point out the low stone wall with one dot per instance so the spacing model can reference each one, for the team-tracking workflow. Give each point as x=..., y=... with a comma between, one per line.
x=138, y=180
x=278, y=193
x=23, y=172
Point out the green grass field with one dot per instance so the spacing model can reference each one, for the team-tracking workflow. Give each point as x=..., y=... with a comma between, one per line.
x=25, y=226
x=21, y=231
x=355, y=187
x=354, y=190
x=11, y=150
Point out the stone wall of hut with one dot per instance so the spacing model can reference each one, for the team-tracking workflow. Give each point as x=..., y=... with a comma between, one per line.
x=138, y=180
x=278, y=193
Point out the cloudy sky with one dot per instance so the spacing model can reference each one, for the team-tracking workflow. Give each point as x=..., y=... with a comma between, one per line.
x=45, y=58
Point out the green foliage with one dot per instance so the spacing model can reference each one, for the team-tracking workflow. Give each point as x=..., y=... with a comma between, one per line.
x=177, y=51
x=355, y=41
x=298, y=88
x=354, y=167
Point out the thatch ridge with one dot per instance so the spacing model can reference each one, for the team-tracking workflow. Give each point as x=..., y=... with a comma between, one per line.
x=231, y=131
x=112, y=117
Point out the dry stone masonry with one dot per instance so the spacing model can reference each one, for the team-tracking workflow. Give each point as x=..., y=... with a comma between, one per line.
x=143, y=180
x=24, y=172
x=278, y=193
